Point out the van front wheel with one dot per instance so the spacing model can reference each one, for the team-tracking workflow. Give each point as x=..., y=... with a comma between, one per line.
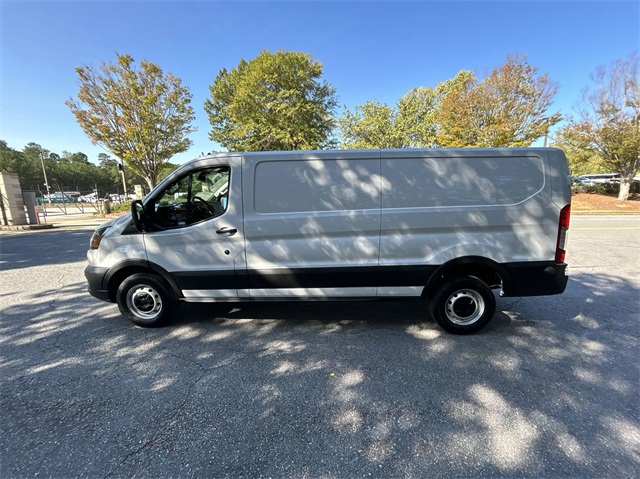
x=146, y=299
x=463, y=305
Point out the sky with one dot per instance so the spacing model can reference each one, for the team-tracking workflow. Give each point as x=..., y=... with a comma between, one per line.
x=370, y=50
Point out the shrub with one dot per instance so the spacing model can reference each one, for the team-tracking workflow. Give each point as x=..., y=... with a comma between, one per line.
x=121, y=208
x=609, y=189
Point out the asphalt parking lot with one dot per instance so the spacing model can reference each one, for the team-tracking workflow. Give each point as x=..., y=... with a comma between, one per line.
x=551, y=388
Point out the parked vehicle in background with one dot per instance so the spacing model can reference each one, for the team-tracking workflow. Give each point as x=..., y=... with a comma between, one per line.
x=88, y=198
x=443, y=225
x=58, y=197
x=601, y=178
x=115, y=198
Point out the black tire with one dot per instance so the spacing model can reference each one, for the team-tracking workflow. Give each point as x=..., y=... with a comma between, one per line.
x=463, y=305
x=146, y=300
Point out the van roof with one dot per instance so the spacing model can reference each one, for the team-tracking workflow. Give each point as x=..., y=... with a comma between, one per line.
x=397, y=152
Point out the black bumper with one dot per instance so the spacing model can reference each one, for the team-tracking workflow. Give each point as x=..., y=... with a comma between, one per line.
x=539, y=278
x=95, y=277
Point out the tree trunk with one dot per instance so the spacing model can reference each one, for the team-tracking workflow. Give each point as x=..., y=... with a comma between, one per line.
x=625, y=188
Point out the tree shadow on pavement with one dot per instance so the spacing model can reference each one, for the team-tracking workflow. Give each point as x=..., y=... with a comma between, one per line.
x=48, y=247
x=549, y=388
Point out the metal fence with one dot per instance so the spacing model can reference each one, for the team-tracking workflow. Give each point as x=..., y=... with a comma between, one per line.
x=67, y=201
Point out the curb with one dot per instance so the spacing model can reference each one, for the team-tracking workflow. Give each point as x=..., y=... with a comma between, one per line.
x=604, y=212
x=59, y=222
x=50, y=226
x=26, y=227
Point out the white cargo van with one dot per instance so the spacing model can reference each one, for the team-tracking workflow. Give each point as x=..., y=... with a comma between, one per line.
x=445, y=225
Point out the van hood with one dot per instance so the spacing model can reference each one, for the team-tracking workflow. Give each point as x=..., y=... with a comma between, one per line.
x=116, y=222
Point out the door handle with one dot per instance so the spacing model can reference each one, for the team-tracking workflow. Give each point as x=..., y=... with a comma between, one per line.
x=227, y=231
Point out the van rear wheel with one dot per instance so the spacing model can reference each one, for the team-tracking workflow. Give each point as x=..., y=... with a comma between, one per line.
x=146, y=299
x=463, y=305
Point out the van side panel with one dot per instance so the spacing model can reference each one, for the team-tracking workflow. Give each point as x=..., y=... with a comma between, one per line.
x=312, y=223
x=439, y=205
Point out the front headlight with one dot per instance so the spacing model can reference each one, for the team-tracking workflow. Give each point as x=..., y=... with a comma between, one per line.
x=97, y=236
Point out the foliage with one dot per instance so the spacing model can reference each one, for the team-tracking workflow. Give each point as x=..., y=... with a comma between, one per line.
x=277, y=101
x=506, y=109
x=608, y=123
x=111, y=166
x=66, y=172
x=372, y=125
x=418, y=110
x=581, y=159
x=70, y=168
x=28, y=170
x=412, y=123
x=124, y=207
x=141, y=115
x=609, y=189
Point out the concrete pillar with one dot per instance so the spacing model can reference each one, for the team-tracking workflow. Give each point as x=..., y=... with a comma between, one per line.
x=12, y=202
x=30, y=203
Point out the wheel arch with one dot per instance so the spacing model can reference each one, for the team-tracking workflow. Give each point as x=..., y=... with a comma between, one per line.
x=117, y=274
x=485, y=269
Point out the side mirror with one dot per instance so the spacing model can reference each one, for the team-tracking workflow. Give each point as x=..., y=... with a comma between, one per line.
x=138, y=215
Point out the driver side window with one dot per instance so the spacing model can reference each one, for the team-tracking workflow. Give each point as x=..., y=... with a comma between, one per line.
x=198, y=196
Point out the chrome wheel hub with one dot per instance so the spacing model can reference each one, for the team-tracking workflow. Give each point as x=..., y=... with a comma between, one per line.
x=464, y=307
x=144, y=302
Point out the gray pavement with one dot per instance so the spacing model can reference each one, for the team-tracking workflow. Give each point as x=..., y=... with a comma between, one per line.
x=551, y=388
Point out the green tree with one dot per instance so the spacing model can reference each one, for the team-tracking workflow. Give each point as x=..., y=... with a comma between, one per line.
x=10, y=159
x=372, y=125
x=66, y=172
x=30, y=171
x=412, y=123
x=277, y=101
x=582, y=160
x=74, y=172
x=608, y=122
x=111, y=168
x=140, y=115
x=416, y=116
x=27, y=164
x=78, y=157
x=509, y=108
x=27, y=167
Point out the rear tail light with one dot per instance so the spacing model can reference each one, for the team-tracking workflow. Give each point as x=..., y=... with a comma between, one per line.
x=563, y=229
